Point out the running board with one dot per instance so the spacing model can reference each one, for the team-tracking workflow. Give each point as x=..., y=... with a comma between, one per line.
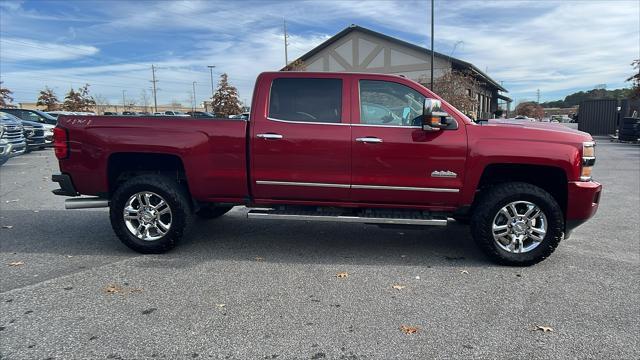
x=85, y=203
x=368, y=216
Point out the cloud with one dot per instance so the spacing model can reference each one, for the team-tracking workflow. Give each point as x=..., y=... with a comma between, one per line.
x=551, y=45
x=19, y=49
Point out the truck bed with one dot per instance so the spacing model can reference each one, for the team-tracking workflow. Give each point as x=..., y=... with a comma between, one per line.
x=212, y=151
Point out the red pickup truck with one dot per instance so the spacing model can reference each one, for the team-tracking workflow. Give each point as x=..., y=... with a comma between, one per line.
x=366, y=148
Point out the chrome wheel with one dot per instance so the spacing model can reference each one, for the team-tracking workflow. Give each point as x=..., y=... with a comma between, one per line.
x=519, y=227
x=147, y=216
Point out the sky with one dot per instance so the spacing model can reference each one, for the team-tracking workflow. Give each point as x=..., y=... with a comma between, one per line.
x=558, y=47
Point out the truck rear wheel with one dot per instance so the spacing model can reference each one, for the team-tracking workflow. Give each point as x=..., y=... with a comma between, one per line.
x=517, y=224
x=150, y=213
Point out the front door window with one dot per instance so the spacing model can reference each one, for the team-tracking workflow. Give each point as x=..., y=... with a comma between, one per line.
x=389, y=103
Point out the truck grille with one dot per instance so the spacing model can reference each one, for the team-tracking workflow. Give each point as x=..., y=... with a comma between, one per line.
x=13, y=134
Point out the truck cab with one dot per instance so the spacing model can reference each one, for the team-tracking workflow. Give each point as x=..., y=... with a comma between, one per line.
x=369, y=148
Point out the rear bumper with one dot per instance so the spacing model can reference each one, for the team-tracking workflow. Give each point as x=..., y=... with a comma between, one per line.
x=583, y=198
x=66, y=185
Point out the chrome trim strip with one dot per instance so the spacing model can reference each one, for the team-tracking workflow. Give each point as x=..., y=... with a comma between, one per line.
x=346, y=186
x=404, y=188
x=293, y=183
x=349, y=219
x=307, y=122
x=388, y=126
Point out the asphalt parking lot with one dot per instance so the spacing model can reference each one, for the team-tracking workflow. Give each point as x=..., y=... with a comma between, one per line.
x=262, y=289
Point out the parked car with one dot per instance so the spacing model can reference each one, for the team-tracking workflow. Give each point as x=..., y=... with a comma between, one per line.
x=12, y=142
x=110, y=113
x=175, y=113
x=47, y=121
x=57, y=113
x=129, y=113
x=158, y=113
x=201, y=114
x=309, y=154
x=243, y=116
x=33, y=132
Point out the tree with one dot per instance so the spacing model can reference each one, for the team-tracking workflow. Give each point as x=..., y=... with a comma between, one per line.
x=144, y=98
x=635, y=80
x=79, y=100
x=225, y=100
x=458, y=88
x=530, y=109
x=5, y=96
x=48, y=99
x=297, y=65
x=102, y=103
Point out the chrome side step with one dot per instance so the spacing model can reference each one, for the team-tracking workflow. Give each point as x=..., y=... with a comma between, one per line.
x=85, y=203
x=363, y=217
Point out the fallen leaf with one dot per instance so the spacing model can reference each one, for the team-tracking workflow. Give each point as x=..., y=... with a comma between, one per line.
x=342, y=274
x=464, y=272
x=398, y=287
x=7, y=226
x=258, y=258
x=16, y=263
x=409, y=329
x=112, y=289
x=543, y=328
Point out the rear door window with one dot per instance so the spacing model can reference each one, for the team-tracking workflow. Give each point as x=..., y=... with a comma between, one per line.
x=306, y=100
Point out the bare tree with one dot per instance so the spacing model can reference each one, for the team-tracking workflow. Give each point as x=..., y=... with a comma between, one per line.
x=48, y=99
x=297, y=65
x=144, y=100
x=530, y=109
x=5, y=96
x=102, y=103
x=458, y=88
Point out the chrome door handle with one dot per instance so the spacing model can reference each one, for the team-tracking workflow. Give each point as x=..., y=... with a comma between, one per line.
x=270, y=136
x=369, y=139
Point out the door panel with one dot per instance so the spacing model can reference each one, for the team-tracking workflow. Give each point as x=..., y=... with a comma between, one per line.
x=395, y=161
x=302, y=151
x=399, y=168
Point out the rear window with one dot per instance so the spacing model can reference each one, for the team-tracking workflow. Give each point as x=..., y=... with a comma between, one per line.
x=308, y=100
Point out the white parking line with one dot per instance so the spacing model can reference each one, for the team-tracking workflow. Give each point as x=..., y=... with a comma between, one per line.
x=17, y=164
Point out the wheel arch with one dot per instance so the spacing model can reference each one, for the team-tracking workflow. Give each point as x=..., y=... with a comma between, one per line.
x=552, y=179
x=122, y=166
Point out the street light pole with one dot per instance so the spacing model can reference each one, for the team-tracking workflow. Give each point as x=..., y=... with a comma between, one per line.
x=194, y=97
x=123, y=102
x=432, y=57
x=211, y=71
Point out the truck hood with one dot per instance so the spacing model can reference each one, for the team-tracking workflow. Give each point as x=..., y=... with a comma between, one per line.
x=542, y=126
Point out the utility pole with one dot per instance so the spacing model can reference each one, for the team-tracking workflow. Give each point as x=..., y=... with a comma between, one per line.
x=195, y=102
x=286, y=43
x=154, y=81
x=211, y=71
x=538, y=95
x=432, y=56
x=123, y=102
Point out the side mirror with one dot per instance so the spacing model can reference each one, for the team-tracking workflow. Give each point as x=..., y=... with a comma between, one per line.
x=433, y=117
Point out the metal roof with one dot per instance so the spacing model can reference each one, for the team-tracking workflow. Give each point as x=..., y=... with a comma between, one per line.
x=353, y=27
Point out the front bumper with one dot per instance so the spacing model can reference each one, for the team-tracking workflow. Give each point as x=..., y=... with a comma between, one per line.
x=8, y=150
x=35, y=142
x=583, y=198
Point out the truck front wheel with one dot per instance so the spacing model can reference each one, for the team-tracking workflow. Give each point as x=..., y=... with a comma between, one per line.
x=517, y=224
x=150, y=213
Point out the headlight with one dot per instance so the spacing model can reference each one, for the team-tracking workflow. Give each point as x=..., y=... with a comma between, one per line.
x=588, y=159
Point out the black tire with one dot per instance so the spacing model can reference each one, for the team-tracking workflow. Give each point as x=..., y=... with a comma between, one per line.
x=493, y=199
x=176, y=197
x=209, y=212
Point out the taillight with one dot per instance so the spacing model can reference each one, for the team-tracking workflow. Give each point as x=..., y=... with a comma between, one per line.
x=60, y=142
